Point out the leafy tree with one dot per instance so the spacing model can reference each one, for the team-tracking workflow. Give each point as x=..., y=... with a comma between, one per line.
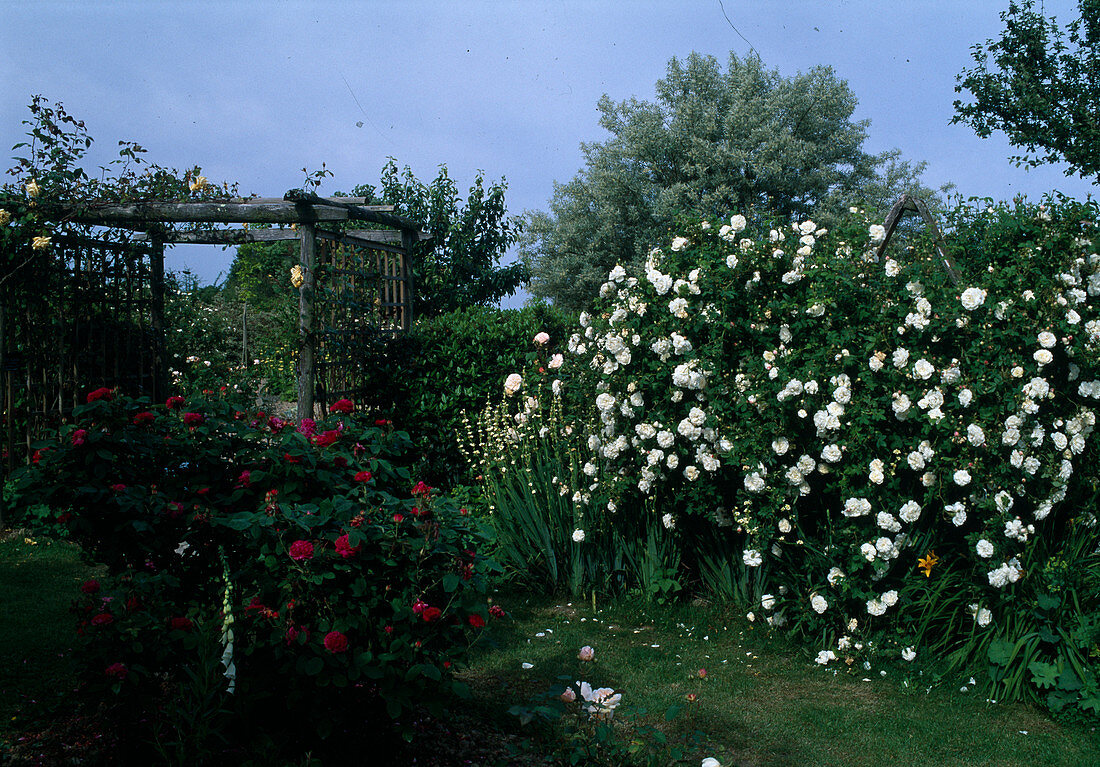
x=741, y=141
x=1043, y=89
x=459, y=266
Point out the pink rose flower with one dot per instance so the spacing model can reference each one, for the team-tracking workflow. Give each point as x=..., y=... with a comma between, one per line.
x=335, y=642
x=301, y=550
x=586, y=654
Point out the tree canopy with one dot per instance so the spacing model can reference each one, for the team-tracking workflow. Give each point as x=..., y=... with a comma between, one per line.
x=460, y=265
x=1040, y=85
x=746, y=140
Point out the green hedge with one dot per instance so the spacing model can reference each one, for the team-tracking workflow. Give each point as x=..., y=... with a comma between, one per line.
x=452, y=363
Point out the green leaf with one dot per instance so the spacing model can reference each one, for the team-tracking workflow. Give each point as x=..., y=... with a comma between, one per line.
x=1048, y=601
x=313, y=666
x=1043, y=675
x=1000, y=652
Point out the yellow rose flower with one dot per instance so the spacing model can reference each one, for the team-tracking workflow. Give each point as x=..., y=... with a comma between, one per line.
x=32, y=189
x=296, y=277
x=40, y=243
x=198, y=184
x=5, y=217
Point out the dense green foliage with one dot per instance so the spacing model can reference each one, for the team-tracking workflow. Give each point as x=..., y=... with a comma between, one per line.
x=1040, y=84
x=451, y=364
x=295, y=575
x=746, y=139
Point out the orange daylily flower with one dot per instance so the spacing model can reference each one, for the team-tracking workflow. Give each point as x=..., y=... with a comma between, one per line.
x=926, y=564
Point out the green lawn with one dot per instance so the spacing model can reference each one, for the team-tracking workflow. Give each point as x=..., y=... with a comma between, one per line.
x=39, y=579
x=762, y=702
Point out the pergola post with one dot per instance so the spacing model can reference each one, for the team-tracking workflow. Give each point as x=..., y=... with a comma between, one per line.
x=409, y=238
x=307, y=340
x=160, y=352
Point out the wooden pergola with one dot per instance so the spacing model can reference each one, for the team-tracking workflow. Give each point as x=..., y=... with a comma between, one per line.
x=310, y=218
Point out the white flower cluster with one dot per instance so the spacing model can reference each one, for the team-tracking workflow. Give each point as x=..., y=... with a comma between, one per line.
x=909, y=442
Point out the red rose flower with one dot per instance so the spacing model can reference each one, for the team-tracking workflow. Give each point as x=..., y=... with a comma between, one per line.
x=382, y=422
x=398, y=517
x=335, y=642
x=79, y=437
x=143, y=417
x=193, y=419
x=363, y=476
x=421, y=489
x=301, y=550
x=174, y=403
x=292, y=632
x=291, y=458
x=245, y=479
x=118, y=488
x=496, y=611
x=103, y=393
x=342, y=406
x=419, y=606
x=180, y=624
x=90, y=586
x=477, y=621
x=344, y=547
x=325, y=439
x=307, y=426
x=103, y=619
x=116, y=671
x=431, y=614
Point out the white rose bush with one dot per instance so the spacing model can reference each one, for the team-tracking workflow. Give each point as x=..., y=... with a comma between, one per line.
x=880, y=450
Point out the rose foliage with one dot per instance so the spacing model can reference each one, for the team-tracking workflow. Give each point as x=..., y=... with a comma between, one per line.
x=330, y=582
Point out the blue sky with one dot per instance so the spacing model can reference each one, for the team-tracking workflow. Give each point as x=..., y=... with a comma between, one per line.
x=253, y=92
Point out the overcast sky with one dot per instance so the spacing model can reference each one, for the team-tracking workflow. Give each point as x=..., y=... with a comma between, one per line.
x=253, y=92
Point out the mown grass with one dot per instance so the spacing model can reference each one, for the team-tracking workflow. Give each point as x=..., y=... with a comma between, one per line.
x=39, y=578
x=764, y=702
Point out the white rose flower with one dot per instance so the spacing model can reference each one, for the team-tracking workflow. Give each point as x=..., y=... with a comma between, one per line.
x=984, y=549
x=901, y=358
x=512, y=384
x=923, y=369
x=910, y=512
x=984, y=616
x=1047, y=339
x=754, y=483
x=966, y=397
x=752, y=558
x=972, y=298
x=819, y=603
x=974, y=435
x=1043, y=357
x=578, y=535
x=831, y=453
x=679, y=243
x=877, y=233
x=909, y=654
x=767, y=601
